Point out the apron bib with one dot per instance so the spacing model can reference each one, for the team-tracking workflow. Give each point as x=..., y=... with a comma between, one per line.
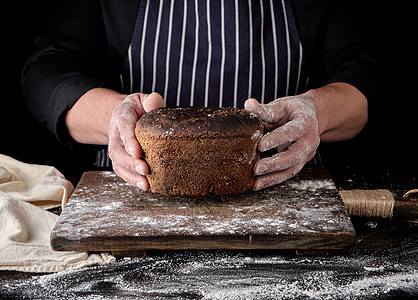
x=215, y=53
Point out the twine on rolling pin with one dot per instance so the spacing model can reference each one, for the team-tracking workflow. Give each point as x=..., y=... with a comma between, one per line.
x=410, y=192
x=368, y=203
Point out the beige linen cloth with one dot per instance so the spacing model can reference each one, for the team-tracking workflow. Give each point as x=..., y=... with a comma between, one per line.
x=26, y=190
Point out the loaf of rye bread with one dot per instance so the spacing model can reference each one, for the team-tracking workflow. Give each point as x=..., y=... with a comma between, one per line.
x=198, y=151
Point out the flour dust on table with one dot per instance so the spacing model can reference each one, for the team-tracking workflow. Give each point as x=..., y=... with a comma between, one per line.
x=233, y=275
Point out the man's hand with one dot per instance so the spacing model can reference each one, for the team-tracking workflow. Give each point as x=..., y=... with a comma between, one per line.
x=124, y=149
x=335, y=112
x=293, y=126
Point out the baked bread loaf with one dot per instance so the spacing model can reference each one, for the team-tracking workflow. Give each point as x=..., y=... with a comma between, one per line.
x=199, y=151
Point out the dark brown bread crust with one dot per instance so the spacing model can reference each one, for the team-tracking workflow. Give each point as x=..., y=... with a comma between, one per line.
x=203, y=122
x=199, y=151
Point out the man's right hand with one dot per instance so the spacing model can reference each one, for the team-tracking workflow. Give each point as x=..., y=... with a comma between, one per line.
x=124, y=149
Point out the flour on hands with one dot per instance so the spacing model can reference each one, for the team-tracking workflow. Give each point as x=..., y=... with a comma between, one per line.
x=124, y=150
x=293, y=127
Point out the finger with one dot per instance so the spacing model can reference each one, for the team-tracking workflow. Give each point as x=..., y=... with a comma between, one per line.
x=298, y=153
x=287, y=133
x=120, y=157
x=122, y=127
x=254, y=106
x=141, y=167
x=130, y=143
x=133, y=179
x=270, y=113
x=129, y=169
x=268, y=180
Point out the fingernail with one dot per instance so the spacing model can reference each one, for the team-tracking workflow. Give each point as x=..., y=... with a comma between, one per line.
x=146, y=98
x=257, y=186
x=157, y=102
x=260, y=169
x=246, y=105
x=141, y=185
x=265, y=143
x=251, y=107
x=139, y=169
x=133, y=153
x=256, y=170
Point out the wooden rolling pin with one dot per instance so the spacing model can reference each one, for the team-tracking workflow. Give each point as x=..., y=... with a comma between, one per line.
x=381, y=203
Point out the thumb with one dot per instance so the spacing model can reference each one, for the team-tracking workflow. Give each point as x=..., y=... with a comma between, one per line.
x=152, y=101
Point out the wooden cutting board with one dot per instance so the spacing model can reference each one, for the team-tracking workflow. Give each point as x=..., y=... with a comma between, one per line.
x=106, y=214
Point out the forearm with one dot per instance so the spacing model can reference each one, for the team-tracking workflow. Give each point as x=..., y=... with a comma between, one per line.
x=342, y=111
x=88, y=120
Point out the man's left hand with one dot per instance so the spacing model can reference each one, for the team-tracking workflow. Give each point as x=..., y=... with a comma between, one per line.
x=293, y=131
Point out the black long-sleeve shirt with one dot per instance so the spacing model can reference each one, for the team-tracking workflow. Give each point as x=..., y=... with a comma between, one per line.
x=84, y=44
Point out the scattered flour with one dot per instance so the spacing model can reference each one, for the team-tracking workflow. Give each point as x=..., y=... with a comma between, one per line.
x=227, y=275
x=100, y=210
x=230, y=275
x=313, y=185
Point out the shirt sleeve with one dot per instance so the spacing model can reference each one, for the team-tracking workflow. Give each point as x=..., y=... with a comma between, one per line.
x=343, y=42
x=352, y=52
x=69, y=59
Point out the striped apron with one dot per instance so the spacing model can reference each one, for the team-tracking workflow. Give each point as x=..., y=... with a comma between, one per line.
x=214, y=53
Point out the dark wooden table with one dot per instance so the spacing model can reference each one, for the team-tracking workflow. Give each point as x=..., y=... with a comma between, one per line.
x=381, y=265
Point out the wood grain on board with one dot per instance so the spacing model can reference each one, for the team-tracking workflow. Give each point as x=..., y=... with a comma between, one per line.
x=106, y=214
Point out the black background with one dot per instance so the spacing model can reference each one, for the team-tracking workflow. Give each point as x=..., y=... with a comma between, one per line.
x=391, y=144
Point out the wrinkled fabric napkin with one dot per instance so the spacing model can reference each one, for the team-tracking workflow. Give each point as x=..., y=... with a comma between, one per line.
x=26, y=190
